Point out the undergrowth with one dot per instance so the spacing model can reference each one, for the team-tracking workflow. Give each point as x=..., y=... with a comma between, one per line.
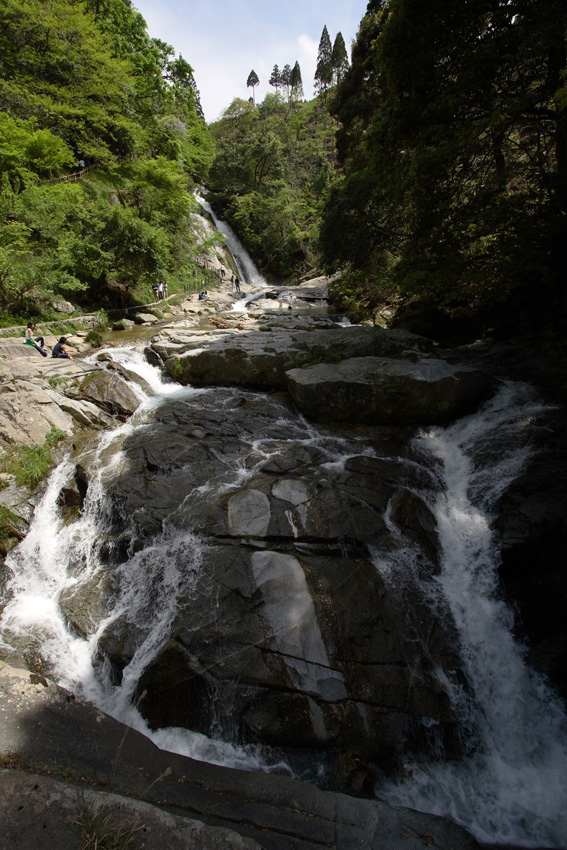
x=30, y=464
x=102, y=831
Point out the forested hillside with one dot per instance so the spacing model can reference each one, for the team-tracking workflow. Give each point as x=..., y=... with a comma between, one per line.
x=84, y=89
x=431, y=171
x=453, y=151
x=274, y=165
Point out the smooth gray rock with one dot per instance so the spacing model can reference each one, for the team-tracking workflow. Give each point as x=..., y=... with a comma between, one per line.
x=260, y=360
x=288, y=545
x=28, y=412
x=110, y=392
x=388, y=392
x=145, y=319
x=44, y=812
x=50, y=731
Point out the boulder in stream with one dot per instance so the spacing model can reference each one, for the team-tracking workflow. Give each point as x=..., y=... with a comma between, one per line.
x=386, y=391
x=286, y=630
x=109, y=391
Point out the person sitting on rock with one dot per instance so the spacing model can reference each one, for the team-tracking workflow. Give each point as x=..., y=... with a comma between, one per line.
x=59, y=349
x=202, y=295
x=37, y=343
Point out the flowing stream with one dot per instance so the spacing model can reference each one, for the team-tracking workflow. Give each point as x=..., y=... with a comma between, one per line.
x=513, y=786
x=55, y=557
x=512, y=789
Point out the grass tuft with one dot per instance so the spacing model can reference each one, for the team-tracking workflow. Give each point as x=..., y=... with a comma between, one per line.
x=100, y=831
x=30, y=464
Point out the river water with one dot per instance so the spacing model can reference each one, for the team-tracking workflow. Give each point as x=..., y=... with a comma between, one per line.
x=511, y=788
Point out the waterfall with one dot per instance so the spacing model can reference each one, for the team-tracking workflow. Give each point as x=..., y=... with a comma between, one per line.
x=246, y=269
x=513, y=787
x=509, y=788
x=56, y=557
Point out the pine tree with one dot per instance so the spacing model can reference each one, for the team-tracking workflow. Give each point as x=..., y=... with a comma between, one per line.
x=324, y=71
x=251, y=82
x=339, y=58
x=286, y=79
x=295, y=81
x=276, y=78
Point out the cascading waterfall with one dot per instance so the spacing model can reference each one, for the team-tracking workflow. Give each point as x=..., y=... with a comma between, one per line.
x=513, y=788
x=244, y=263
x=55, y=557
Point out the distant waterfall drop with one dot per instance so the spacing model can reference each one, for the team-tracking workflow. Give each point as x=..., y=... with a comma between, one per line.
x=244, y=263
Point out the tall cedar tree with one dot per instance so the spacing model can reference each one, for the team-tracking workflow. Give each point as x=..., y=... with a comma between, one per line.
x=296, y=82
x=275, y=78
x=252, y=82
x=339, y=58
x=324, y=70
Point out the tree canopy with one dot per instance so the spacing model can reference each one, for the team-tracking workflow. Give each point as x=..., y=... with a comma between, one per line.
x=82, y=80
x=252, y=82
x=453, y=144
x=339, y=58
x=270, y=175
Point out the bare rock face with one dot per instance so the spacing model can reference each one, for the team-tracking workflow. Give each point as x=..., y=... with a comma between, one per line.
x=259, y=360
x=352, y=374
x=286, y=618
x=385, y=391
x=109, y=391
x=28, y=412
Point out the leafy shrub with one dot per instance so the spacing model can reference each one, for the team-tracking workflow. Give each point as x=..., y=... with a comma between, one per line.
x=101, y=318
x=94, y=338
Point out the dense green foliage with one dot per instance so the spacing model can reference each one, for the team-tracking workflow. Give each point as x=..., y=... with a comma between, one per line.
x=273, y=167
x=80, y=80
x=453, y=144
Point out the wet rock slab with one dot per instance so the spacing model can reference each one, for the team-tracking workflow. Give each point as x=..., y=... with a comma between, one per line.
x=385, y=391
x=284, y=613
x=47, y=730
x=259, y=359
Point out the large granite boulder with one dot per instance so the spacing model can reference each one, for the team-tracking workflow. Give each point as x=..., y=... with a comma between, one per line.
x=28, y=411
x=386, y=391
x=65, y=736
x=285, y=629
x=109, y=391
x=259, y=360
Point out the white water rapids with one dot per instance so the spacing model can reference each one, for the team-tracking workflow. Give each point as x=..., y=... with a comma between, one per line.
x=512, y=788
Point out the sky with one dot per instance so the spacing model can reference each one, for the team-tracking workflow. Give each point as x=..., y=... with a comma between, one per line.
x=223, y=40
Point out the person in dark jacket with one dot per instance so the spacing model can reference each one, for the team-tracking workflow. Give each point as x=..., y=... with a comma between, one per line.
x=59, y=349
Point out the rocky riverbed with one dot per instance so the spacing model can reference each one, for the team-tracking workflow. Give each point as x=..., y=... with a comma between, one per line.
x=288, y=621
